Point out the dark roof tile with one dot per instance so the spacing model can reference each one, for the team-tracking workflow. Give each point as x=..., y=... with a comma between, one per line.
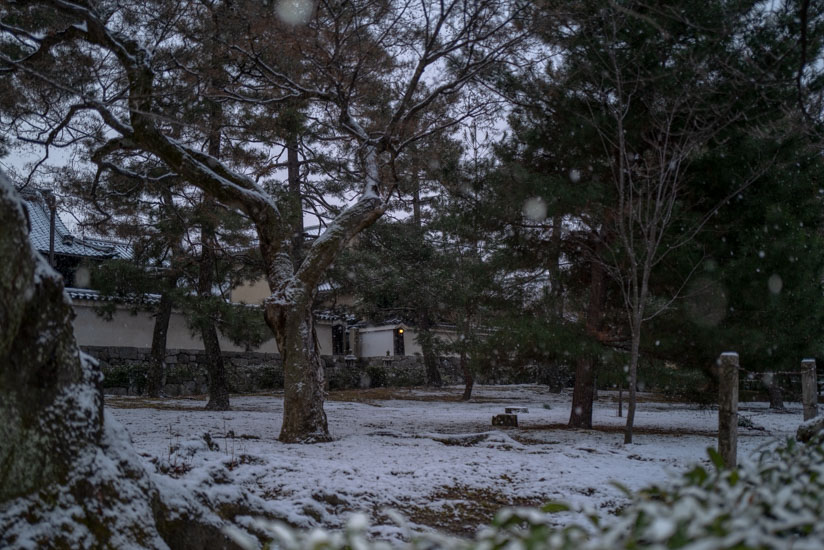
x=64, y=242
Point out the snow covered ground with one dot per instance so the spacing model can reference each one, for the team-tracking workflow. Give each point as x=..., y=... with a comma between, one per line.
x=424, y=453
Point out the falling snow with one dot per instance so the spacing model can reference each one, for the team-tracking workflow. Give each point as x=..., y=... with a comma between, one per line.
x=535, y=209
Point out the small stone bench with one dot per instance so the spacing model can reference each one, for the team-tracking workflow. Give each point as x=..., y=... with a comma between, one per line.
x=510, y=416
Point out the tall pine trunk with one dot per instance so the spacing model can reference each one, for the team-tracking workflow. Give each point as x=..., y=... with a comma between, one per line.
x=218, y=386
x=583, y=393
x=430, y=358
x=156, y=377
x=469, y=380
x=288, y=310
x=424, y=318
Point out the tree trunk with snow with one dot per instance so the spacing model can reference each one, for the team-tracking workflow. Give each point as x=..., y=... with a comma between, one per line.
x=294, y=207
x=304, y=420
x=68, y=479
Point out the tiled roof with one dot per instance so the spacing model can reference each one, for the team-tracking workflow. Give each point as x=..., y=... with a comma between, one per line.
x=332, y=315
x=95, y=296
x=64, y=242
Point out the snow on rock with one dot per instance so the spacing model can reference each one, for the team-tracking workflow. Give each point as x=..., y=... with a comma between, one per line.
x=68, y=477
x=810, y=428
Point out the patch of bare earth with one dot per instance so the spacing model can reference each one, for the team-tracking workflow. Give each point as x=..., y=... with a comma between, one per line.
x=160, y=403
x=654, y=430
x=462, y=510
x=389, y=394
x=445, y=395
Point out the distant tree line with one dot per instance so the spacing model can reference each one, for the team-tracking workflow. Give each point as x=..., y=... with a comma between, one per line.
x=653, y=199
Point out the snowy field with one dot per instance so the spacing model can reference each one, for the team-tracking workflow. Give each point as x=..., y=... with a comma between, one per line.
x=435, y=459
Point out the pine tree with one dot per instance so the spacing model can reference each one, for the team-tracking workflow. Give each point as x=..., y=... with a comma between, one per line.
x=677, y=86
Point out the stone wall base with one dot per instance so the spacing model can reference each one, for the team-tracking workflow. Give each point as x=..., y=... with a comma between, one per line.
x=125, y=369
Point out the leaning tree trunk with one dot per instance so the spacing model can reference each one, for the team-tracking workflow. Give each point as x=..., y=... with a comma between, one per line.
x=155, y=378
x=68, y=477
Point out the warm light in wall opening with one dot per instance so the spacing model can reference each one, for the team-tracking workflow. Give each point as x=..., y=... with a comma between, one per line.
x=400, y=331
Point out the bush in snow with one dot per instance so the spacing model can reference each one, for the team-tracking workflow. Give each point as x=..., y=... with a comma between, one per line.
x=775, y=502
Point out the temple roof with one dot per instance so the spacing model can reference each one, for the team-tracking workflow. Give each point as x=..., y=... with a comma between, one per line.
x=64, y=242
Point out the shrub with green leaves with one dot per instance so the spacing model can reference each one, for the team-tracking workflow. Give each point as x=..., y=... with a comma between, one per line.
x=775, y=501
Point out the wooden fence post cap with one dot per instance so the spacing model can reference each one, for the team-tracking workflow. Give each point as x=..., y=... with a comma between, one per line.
x=730, y=354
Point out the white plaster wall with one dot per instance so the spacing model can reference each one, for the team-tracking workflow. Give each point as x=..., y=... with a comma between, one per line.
x=128, y=330
x=410, y=343
x=374, y=343
x=324, y=333
x=412, y=347
x=251, y=292
x=124, y=330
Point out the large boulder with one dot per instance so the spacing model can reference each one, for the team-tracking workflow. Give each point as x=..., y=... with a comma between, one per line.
x=69, y=477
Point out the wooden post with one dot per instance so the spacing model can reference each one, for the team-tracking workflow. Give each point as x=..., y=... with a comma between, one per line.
x=809, y=388
x=728, y=408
